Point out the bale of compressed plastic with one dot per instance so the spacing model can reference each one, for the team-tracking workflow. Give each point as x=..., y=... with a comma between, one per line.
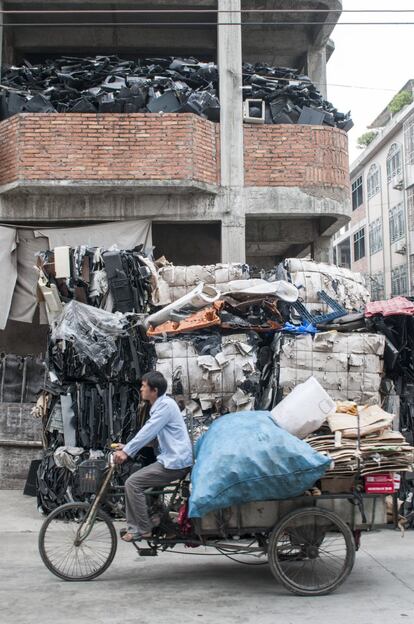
x=246, y=457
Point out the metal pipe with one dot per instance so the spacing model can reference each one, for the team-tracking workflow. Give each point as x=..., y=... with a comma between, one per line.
x=21, y=443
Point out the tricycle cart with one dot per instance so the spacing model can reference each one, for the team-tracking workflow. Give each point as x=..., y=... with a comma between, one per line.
x=309, y=542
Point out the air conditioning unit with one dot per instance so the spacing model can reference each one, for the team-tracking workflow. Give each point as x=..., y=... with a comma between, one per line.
x=254, y=111
x=397, y=182
x=400, y=247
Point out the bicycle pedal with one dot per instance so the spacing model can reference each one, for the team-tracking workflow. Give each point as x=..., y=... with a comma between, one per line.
x=147, y=552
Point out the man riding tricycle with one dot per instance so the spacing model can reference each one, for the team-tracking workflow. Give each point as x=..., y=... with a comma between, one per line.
x=245, y=496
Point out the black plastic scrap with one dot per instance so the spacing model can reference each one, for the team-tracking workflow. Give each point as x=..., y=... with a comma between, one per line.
x=108, y=84
x=399, y=363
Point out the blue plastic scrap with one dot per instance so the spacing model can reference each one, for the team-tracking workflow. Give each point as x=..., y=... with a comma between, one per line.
x=304, y=328
x=245, y=457
x=338, y=310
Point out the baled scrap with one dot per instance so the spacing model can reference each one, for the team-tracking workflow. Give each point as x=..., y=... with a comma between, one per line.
x=216, y=379
x=177, y=281
x=342, y=285
x=347, y=365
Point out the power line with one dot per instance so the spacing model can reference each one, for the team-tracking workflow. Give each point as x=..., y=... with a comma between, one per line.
x=203, y=24
x=192, y=11
x=330, y=84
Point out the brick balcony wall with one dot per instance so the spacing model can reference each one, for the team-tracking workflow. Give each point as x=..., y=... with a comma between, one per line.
x=9, y=171
x=304, y=156
x=174, y=147
x=165, y=148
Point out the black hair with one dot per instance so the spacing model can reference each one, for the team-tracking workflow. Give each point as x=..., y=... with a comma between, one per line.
x=156, y=381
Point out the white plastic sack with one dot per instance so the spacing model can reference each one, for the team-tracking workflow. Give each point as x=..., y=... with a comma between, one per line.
x=305, y=409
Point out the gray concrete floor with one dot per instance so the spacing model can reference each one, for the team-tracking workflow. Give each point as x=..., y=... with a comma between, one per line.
x=182, y=589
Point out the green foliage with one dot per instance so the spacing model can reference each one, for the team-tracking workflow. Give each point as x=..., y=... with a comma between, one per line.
x=399, y=101
x=365, y=139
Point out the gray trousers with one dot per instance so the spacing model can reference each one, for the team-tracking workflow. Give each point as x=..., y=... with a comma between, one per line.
x=136, y=505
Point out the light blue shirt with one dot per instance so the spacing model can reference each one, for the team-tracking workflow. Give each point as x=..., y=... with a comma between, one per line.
x=167, y=424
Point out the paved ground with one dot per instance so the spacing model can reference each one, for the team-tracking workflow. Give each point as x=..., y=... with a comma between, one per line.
x=182, y=589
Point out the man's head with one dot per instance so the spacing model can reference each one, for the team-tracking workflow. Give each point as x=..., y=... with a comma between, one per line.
x=153, y=386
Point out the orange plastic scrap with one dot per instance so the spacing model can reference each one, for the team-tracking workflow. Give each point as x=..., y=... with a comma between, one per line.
x=207, y=317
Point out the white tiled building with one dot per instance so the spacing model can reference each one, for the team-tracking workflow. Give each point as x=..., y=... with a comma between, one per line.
x=379, y=240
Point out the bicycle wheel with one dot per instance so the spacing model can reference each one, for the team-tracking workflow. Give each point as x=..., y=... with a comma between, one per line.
x=311, y=551
x=57, y=543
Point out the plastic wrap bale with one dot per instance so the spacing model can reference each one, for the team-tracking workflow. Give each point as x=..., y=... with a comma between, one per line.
x=347, y=365
x=176, y=281
x=345, y=286
x=246, y=457
x=92, y=331
x=214, y=380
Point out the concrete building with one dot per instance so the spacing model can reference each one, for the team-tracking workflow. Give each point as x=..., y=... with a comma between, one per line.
x=231, y=191
x=379, y=240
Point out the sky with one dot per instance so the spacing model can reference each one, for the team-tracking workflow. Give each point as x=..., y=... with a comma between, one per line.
x=374, y=62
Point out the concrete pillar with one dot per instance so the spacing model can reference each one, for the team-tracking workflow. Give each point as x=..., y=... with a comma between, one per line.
x=229, y=48
x=322, y=250
x=233, y=227
x=316, y=68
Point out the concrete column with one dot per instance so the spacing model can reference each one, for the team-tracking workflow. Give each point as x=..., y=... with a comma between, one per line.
x=316, y=68
x=231, y=131
x=233, y=227
x=322, y=250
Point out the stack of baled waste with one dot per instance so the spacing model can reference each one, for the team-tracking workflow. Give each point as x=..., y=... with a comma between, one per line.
x=310, y=278
x=347, y=365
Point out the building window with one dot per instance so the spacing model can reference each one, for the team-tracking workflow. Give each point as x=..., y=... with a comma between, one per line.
x=343, y=254
x=394, y=162
x=375, y=236
x=397, y=222
x=399, y=280
x=373, y=181
x=357, y=193
x=359, y=244
x=409, y=140
x=377, y=286
x=410, y=208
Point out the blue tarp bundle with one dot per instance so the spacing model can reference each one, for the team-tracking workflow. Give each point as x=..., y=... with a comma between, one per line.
x=247, y=457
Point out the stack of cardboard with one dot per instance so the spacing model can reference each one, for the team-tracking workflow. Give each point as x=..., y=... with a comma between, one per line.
x=361, y=440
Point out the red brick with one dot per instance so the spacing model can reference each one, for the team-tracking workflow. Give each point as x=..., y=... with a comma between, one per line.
x=165, y=147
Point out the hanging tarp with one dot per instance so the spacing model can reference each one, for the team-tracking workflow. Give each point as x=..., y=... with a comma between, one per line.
x=8, y=271
x=123, y=234
x=19, y=246
x=24, y=301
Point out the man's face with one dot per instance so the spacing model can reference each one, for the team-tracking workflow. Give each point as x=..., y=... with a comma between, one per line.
x=148, y=393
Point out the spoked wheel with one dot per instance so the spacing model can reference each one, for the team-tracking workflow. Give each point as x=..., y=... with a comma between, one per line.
x=58, y=548
x=311, y=551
